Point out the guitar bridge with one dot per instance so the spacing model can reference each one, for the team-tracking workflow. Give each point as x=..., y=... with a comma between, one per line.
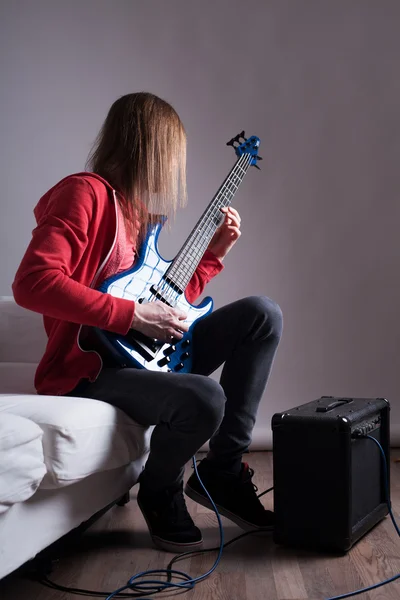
x=146, y=346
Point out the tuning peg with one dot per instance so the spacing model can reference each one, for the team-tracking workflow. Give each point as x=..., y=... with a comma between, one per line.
x=255, y=163
x=236, y=139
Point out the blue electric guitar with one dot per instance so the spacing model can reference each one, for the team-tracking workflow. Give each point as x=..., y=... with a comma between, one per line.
x=152, y=278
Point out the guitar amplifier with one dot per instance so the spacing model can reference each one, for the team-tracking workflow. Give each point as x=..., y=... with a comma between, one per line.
x=328, y=483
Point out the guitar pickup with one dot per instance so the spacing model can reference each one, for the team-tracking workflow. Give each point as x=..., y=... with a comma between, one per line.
x=160, y=295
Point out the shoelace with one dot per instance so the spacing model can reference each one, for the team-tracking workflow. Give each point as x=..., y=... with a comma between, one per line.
x=249, y=474
x=251, y=489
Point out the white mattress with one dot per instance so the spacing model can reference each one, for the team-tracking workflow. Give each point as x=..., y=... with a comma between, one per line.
x=28, y=527
x=81, y=436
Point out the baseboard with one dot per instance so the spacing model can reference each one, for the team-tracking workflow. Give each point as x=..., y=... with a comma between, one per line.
x=262, y=438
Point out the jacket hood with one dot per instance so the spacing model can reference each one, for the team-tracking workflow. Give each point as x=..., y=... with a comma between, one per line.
x=41, y=208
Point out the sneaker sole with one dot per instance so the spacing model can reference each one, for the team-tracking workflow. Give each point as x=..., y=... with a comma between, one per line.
x=242, y=523
x=174, y=547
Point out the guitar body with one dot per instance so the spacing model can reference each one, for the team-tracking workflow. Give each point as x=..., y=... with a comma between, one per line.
x=152, y=278
x=136, y=284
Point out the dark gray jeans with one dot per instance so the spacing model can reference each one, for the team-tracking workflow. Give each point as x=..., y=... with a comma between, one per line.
x=189, y=409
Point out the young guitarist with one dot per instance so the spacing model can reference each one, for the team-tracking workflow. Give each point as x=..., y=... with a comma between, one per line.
x=89, y=226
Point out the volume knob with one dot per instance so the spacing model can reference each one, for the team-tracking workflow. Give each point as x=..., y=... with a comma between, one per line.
x=169, y=350
x=164, y=361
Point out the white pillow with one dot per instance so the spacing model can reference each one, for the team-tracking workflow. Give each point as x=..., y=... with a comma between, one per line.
x=81, y=436
x=22, y=465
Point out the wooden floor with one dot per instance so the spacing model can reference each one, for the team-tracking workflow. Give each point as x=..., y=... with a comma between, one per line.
x=118, y=546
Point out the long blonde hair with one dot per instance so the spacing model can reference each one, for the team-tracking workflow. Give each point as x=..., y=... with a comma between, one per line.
x=141, y=151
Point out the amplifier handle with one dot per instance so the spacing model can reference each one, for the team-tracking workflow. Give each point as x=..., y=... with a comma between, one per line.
x=333, y=405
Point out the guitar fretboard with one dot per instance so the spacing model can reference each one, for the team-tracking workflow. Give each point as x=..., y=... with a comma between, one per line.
x=185, y=263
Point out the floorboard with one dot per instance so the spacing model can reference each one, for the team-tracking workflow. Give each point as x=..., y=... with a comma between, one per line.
x=254, y=568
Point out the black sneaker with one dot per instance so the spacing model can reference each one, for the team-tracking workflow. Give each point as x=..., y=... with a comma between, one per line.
x=234, y=495
x=170, y=525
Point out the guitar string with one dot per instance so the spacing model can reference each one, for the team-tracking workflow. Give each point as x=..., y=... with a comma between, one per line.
x=206, y=216
x=196, y=238
x=199, y=246
x=199, y=242
x=222, y=199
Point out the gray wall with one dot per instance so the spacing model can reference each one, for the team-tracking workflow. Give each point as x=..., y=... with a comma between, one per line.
x=317, y=81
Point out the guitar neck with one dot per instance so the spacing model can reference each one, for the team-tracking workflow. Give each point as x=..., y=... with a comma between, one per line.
x=185, y=263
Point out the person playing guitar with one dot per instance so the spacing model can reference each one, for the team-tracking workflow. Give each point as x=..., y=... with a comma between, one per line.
x=91, y=227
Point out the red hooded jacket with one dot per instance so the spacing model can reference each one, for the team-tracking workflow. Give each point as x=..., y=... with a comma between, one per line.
x=78, y=242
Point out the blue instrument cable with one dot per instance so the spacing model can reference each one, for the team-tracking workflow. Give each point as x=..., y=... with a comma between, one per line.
x=187, y=582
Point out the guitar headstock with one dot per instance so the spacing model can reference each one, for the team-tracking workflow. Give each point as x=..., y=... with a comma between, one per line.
x=248, y=146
